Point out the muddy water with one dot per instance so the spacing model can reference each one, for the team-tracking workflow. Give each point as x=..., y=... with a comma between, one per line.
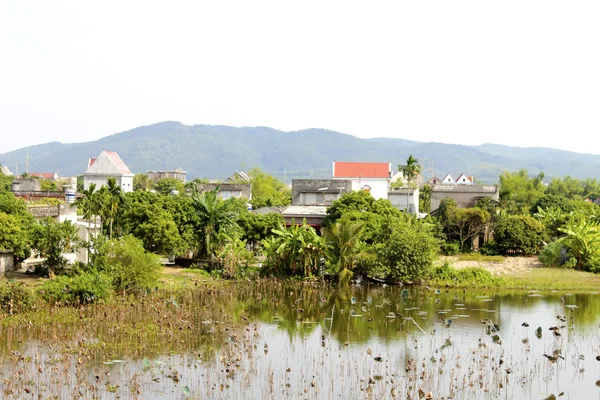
x=277, y=340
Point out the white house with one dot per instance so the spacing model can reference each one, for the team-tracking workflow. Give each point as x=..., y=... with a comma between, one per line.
x=372, y=177
x=464, y=180
x=108, y=165
x=448, y=180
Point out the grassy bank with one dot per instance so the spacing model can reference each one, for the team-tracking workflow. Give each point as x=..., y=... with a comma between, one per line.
x=537, y=278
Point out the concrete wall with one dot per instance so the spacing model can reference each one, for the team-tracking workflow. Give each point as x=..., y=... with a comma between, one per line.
x=7, y=261
x=125, y=182
x=399, y=197
x=158, y=175
x=318, y=191
x=26, y=185
x=466, y=196
x=228, y=190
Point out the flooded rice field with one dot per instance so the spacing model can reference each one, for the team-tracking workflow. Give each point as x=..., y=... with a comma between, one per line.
x=274, y=340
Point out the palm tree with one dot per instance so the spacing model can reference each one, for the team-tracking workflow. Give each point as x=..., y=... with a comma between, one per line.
x=90, y=205
x=343, y=247
x=410, y=171
x=115, y=199
x=215, y=219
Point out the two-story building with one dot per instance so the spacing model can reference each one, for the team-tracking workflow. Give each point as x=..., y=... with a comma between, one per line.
x=372, y=177
x=108, y=165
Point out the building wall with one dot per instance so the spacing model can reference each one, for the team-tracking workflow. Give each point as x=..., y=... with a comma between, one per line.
x=26, y=185
x=399, y=198
x=318, y=191
x=7, y=261
x=125, y=182
x=466, y=196
x=158, y=175
x=228, y=190
x=379, y=187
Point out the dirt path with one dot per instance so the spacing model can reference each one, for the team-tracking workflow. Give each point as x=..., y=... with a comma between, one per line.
x=509, y=266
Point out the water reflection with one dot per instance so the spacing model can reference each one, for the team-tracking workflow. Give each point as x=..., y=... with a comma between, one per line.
x=278, y=340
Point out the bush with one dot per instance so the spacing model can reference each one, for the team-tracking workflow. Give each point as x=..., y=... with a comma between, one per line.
x=450, y=249
x=15, y=297
x=463, y=276
x=131, y=268
x=89, y=287
x=556, y=255
x=403, y=252
x=519, y=235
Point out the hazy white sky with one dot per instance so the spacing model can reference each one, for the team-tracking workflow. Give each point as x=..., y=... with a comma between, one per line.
x=523, y=73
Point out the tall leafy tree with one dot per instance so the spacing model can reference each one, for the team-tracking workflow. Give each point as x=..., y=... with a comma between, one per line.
x=53, y=240
x=268, y=190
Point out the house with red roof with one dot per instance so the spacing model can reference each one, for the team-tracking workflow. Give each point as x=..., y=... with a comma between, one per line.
x=50, y=176
x=372, y=177
x=108, y=165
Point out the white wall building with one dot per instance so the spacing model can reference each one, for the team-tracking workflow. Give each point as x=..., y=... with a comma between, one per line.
x=372, y=177
x=108, y=165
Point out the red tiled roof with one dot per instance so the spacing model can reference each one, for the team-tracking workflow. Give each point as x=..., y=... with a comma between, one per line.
x=45, y=175
x=361, y=169
x=91, y=161
x=118, y=162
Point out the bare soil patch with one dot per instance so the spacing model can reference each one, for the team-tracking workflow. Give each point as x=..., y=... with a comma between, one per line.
x=508, y=266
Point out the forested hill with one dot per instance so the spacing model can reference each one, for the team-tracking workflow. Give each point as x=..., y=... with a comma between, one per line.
x=206, y=151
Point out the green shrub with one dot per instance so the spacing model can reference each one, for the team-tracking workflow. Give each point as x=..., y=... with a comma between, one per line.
x=89, y=287
x=471, y=276
x=556, y=254
x=15, y=297
x=131, y=268
x=450, y=249
x=519, y=235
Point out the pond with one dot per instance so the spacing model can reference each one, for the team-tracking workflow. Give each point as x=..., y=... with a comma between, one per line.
x=285, y=340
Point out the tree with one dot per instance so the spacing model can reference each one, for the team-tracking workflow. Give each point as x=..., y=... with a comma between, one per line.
x=518, y=191
x=153, y=226
x=89, y=204
x=13, y=236
x=142, y=182
x=53, y=240
x=425, y=199
x=549, y=200
x=214, y=218
x=267, y=190
x=466, y=224
x=257, y=227
x=343, y=248
x=404, y=251
x=131, y=268
x=114, y=200
x=410, y=171
x=166, y=185
x=519, y=234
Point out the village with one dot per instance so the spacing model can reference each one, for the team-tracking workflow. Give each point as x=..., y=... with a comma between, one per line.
x=310, y=198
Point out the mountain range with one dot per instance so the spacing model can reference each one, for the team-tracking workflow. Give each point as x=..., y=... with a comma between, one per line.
x=215, y=152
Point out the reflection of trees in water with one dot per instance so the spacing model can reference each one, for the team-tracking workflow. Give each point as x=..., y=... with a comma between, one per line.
x=298, y=308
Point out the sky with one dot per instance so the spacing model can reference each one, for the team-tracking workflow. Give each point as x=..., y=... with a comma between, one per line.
x=519, y=73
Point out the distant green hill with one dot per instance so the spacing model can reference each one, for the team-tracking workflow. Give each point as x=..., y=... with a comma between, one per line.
x=206, y=151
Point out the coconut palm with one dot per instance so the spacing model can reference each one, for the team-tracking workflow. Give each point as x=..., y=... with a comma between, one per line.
x=114, y=199
x=90, y=204
x=410, y=171
x=343, y=247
